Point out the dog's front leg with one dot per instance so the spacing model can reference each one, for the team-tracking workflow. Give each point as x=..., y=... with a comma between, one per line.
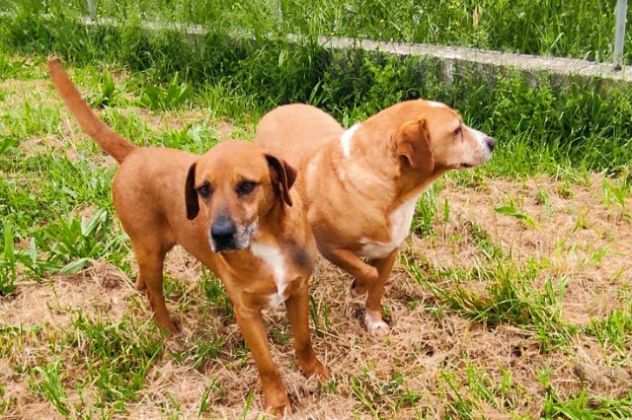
x=373, y=315
x=252, y=328
x=298, y=313
x=364, y=273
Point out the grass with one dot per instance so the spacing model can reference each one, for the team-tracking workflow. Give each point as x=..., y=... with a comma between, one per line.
x=583, y=406
x=117, y=356
x=540, y=122
x=509, y=297
x=510, y=276
x=613, y=331
x=49, y=385
x=574, y=28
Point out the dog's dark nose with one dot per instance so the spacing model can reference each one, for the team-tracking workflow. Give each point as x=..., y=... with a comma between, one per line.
x=223, y=233
x=491, y=143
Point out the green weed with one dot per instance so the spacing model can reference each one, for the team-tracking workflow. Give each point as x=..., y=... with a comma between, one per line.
x=18, y=67
x=8, y=263
x=614, y=330
x=616, y=192
x=320, y=315
x=116, y=356
x=50, y=387
x=216, y=296
x=382, y=397
x=107, y=93
x=583, y=406
x=460, y=406
x=129, y=125
x=510, y=208
x=483, y=241
x=197, y=138
x=542, y=198
x=426, y=211
x=210, y=392
x=78, y=241
x=29, y=120
x=173, y=95
x=508, y=298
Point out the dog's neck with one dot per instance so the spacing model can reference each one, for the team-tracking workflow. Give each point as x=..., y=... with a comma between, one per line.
x=375, y=151
x=363, y=162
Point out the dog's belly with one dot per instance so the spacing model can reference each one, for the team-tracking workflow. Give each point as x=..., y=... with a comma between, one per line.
x=400, y=220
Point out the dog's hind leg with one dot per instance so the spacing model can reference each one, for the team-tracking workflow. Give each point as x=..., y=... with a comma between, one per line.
x=150, y=264
x=364, y=273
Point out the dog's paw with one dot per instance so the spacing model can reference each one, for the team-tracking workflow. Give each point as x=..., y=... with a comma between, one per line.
x=309, y=366
x=276, y=401
x=317, y=369
x=375, y=325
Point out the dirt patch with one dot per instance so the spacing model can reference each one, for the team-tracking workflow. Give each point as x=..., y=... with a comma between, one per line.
x=102, y=290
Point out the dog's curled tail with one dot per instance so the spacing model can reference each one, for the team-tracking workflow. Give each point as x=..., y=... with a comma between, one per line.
x=113, y=144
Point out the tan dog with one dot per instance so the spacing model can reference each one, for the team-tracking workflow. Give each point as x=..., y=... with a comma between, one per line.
x=232, y=209
x=360, y=186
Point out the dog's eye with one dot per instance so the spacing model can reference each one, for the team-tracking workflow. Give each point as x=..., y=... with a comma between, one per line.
x=457, y=131
x=245, y=187
x=204, y=190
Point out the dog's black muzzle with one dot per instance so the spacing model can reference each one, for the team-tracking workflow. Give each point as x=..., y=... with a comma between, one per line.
x=223, y=233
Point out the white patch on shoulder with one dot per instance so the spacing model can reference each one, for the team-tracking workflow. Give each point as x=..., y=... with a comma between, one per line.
x=345, y=139
x=435, y=104
x=273, y=257
x=400, y=220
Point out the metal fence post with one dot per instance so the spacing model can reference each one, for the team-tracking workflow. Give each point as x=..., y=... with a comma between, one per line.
x=92, y=8
x=619, y=37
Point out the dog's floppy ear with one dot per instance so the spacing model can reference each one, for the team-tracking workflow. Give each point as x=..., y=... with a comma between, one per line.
x=283, y=177
x=190, y=195
x=413, y=144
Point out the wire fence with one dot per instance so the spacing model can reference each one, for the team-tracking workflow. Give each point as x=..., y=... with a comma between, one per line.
x=617, y=56
x=602, y=54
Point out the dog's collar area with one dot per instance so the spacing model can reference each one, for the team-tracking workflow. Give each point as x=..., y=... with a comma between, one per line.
x=346, y=139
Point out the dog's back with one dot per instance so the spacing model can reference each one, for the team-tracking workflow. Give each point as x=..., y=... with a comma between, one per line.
x=295, y=132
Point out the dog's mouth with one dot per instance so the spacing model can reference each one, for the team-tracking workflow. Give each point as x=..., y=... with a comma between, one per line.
x=477, y=161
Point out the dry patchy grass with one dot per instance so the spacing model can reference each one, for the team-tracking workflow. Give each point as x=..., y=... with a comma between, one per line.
x=437, y=362
x=511, y=299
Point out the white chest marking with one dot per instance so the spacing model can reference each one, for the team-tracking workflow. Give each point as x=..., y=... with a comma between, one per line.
x=400, y=220
x=273, y=257
x=345, y=140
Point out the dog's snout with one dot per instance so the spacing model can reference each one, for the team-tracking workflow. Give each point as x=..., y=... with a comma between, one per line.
x=491, y=143
x=223, y=233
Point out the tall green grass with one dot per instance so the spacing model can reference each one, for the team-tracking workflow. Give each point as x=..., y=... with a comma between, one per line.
x=577, y=28
x=538, y=121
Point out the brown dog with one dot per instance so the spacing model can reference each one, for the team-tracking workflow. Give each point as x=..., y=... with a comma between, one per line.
x=231, y=208
x=360, y=186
